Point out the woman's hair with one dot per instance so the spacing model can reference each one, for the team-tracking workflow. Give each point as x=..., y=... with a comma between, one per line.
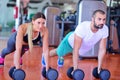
x=38, y=15
x=30, y=28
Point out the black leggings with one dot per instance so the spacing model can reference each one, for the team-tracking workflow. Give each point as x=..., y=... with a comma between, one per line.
x=11, y=46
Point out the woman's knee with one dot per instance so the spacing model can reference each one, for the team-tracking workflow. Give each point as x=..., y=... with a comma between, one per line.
x=6, y=51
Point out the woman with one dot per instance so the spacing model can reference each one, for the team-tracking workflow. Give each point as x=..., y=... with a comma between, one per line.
x=27, y=35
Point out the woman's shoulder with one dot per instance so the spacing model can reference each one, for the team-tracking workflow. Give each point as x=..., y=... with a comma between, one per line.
x=23, y=27
x=44, y=31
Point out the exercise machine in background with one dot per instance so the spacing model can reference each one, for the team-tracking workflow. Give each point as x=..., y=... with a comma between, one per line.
x=54, y=32
x=113, y=21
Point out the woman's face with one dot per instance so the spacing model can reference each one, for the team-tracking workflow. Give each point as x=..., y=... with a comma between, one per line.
x=38, y=24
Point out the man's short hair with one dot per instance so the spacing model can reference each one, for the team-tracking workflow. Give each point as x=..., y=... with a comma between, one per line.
x=98, y=11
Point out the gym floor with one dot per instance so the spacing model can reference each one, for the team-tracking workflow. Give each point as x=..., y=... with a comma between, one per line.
x=32, y=66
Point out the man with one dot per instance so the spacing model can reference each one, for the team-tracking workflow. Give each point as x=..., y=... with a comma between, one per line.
x=85, y=36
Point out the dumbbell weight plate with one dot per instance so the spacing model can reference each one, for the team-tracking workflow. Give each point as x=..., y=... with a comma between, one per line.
x=95, y=72
x=19, y=74
x=69, y=72
x=11, y=72
x=104, y=74
x=44, y=72
x=78, y=74
x=52, y=74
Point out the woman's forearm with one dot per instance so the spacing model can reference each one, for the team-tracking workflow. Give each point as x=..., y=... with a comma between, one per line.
x=17, y=60
x=46, y=54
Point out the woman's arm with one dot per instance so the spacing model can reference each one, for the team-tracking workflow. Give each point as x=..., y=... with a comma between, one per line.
x=19, y=42
x=46, y=48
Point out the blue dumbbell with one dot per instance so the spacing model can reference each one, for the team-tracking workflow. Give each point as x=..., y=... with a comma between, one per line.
x=103, y=75
x=78, y=74
x=17, y=74
x=51, y=74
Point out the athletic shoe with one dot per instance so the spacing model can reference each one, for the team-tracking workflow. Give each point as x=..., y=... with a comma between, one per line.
x=60, y=61
x=1, y=61
x=43, y=61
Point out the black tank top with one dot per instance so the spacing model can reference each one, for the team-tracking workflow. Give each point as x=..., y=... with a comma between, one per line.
x=35, y=41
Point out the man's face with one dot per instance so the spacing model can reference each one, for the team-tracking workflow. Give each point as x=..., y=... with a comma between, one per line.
x=99, y=20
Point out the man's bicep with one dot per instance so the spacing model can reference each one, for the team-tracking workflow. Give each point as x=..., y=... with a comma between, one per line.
x=77, y=41
x=103, y=43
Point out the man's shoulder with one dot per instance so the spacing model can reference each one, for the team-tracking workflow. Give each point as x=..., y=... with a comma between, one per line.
x=105, y=27
x=85, y=22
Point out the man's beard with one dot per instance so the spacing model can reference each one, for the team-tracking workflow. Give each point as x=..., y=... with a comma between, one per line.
x=100, y=26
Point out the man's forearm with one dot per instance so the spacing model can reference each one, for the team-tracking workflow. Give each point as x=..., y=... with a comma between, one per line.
x=100, y=58
x=75, y=59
